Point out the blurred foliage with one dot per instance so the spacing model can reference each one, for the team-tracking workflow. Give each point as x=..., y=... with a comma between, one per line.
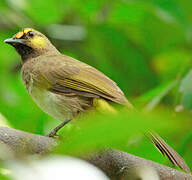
x=145, y=46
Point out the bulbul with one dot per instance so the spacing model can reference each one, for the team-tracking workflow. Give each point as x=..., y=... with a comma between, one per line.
x=64, y=87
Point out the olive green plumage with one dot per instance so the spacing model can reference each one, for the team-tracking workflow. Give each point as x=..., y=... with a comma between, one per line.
x=64, y=87
x=61, y=85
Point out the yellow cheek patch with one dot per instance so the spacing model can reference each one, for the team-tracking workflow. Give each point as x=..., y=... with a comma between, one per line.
x=38, y=42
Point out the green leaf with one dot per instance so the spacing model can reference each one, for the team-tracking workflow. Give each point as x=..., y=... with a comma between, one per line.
x=186, y=89
x=115, y=130
x=186, y=99
x=157, y=94
x=186, y=83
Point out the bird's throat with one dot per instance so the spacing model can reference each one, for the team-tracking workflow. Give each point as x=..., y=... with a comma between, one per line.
x=26, y=52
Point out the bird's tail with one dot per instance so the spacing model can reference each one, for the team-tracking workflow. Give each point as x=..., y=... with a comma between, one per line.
x=103, y=106
x=165, y=149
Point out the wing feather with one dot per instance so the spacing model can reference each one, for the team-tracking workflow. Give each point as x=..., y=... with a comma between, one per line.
x=63, y=71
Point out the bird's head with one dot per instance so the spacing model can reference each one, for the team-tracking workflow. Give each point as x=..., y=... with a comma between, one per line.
x=30, y=43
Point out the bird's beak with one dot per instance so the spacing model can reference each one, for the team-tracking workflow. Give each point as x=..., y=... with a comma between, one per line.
x=14, y=41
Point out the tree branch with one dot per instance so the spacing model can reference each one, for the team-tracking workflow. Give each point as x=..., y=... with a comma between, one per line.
x=116, y=164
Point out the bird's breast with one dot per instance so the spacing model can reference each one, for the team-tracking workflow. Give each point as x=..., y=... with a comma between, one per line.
x=51, y=103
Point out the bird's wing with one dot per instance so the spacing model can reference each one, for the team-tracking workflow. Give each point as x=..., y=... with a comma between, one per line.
x=165, y=149
x=64, y=73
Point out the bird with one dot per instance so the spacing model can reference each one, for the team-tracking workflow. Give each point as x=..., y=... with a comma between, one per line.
x=65, y=88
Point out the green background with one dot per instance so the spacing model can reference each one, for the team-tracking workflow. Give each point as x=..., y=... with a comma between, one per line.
x=145, y=46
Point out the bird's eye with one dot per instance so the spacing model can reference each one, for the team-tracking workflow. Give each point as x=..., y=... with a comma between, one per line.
x=30, y=33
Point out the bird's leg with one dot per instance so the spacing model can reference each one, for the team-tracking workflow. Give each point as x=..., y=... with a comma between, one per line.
x=55, y=130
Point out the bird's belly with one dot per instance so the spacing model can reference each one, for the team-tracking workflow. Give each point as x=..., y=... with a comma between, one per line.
x=53, y=104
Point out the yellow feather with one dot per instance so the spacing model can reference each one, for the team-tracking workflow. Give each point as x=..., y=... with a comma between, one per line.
x=103, y=106
x=38, y=42
x=21, y=33
x=26, y=30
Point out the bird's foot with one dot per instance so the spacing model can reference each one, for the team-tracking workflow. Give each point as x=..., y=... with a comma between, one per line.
x=53, y=133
